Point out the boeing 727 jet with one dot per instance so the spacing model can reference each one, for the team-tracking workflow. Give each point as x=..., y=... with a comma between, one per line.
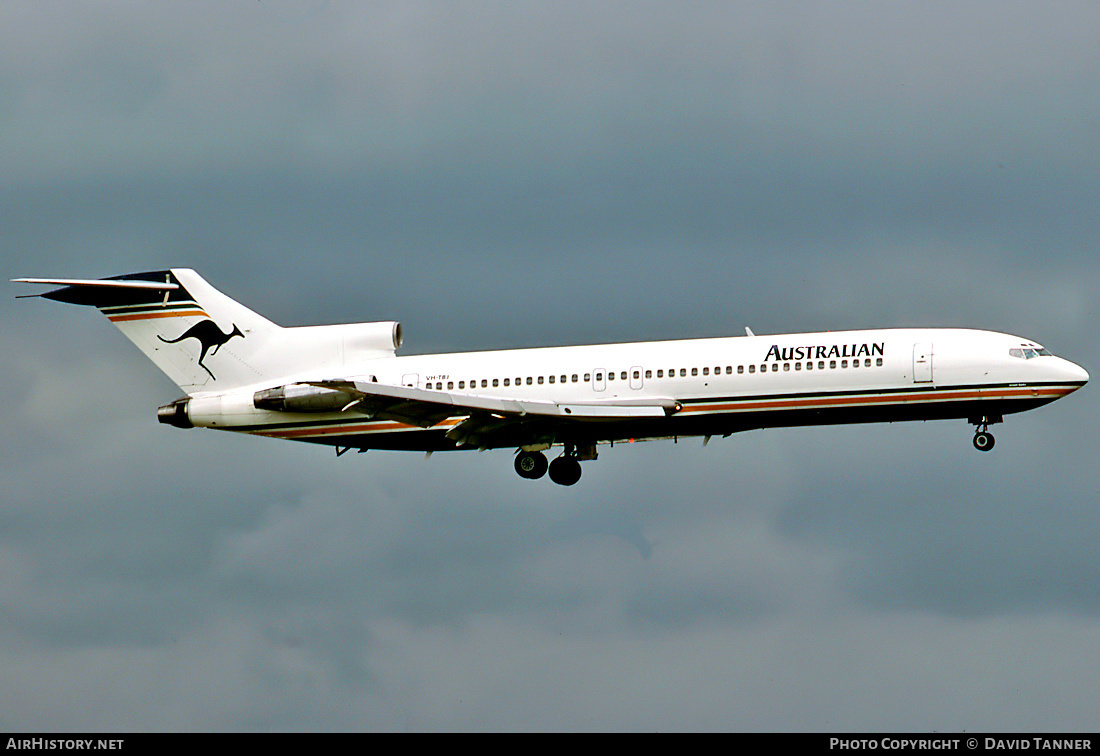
x=345, y=386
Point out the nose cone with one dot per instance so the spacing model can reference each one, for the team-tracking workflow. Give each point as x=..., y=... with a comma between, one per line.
x=1074, y=373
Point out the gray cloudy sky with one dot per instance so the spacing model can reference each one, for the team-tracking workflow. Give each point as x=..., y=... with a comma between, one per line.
x=512, y=174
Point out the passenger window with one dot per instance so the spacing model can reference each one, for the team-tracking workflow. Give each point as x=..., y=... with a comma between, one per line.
x=462, y=384
x=574, y=377
x=648, y=374
x=695, y=371
x=844, y=363
x=599, y=377
x=450, y=385
x=717, y=369
x=563, y=379
x=530, y=380
x=484, y=383
x=610, y=376
x=878, y=362
x=786, y=366
x=821, y=364
x=832, y=364
x=637, y=374
x=729, y=369
x=775, y=367
x=867, y=362
x=623, y=375
x=540, y=380
x=752, y=368
x=809, y=366
x=506, y=381
x=740, y=368
x=588, y=377
x=551, y=379
x=683, y=372
x=660, y=373
x=706, y=371
x=798, y=366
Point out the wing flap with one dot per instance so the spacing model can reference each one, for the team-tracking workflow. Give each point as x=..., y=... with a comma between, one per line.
x=425, y=404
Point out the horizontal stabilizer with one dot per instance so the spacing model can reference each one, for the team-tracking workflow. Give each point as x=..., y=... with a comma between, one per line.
x=99, y=282
x=135, y=288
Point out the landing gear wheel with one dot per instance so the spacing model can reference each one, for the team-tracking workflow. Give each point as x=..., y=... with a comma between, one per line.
x=983, y=441
x=531, y=465
x=565, y=470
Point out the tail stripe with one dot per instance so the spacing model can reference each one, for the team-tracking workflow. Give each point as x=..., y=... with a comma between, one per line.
x=192, y=311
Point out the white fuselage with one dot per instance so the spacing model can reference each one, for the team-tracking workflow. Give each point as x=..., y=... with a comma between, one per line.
x=720, y=385
x=344, y=385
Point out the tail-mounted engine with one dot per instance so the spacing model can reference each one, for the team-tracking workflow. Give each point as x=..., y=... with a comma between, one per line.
x=302, y=397
x=175, y=414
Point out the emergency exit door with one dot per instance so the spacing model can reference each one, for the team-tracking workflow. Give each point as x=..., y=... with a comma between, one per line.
x=922, y=363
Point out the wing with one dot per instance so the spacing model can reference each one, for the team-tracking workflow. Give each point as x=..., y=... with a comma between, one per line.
x=485, y=417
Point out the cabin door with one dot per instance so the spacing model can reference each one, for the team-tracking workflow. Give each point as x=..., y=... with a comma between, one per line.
x=922, y=363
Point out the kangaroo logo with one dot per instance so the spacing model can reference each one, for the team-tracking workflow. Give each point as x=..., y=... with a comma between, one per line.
x=209, y=337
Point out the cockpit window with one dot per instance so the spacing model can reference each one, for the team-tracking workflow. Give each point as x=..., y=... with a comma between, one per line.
x=1027, y=353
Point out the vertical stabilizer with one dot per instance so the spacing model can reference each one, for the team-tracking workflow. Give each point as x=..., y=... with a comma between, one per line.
x=200, y=338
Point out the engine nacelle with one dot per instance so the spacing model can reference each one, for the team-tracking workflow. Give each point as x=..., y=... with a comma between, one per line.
x=345, y=346
x=301, y=397
x=175, y=414
x=371, y=337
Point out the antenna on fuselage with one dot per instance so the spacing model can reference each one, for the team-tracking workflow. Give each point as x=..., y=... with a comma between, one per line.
x=748, y=331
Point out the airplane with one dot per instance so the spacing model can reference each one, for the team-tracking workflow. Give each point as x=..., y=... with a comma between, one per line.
x=344, y=385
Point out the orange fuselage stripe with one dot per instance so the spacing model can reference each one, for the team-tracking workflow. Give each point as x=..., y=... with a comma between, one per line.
x=876, y=399
x=151, y=315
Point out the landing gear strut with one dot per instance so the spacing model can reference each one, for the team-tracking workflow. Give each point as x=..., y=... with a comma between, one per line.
x=983, y=439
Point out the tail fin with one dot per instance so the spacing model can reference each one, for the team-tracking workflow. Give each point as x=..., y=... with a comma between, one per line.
x=205, y=341
x=197, y=336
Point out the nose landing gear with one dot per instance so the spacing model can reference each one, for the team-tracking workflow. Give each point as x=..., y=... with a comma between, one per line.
x=983, y=439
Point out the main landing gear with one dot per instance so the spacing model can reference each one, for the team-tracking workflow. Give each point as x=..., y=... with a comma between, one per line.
x=531, y=465
x=565, y=470
x=983, y=439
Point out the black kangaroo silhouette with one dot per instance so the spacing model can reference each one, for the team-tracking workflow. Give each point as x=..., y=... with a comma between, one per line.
x=209, y=336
